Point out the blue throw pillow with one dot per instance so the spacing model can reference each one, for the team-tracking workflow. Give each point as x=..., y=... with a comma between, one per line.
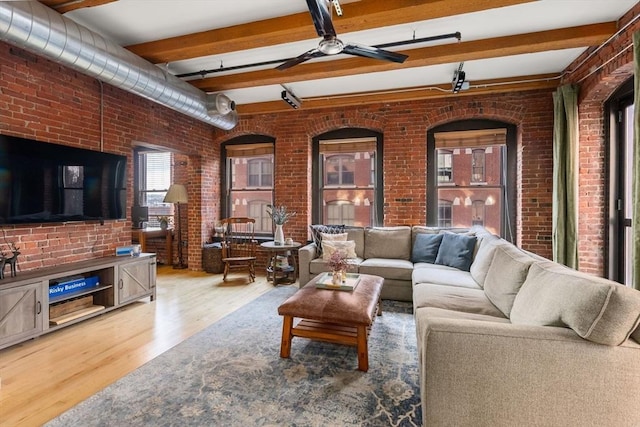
x=456, y=250
x=425, y=247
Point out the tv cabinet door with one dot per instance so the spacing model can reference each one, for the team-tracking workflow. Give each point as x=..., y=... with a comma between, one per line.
x=137, y=280
x=20, y=313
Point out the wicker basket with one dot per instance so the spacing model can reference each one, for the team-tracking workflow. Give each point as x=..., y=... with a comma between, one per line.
x=212, y=258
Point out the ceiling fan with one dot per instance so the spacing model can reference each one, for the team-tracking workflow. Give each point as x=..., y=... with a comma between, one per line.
x=331, y=45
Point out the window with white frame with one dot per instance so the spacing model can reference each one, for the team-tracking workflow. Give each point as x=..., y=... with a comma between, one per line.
x=445, y=214
x=153, y=170
x=340, y=212
x=445, y=166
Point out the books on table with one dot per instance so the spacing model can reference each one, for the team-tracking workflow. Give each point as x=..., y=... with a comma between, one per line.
x=326, y=282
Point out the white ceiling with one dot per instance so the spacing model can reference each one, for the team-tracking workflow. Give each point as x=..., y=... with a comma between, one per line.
x=130, y=22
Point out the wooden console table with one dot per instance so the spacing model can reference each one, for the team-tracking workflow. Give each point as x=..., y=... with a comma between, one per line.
x=140, y=235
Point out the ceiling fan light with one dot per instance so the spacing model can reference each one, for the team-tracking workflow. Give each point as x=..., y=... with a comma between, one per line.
x=331, y=46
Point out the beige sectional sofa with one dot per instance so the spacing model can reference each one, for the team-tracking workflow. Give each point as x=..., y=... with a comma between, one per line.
x=522, y=341
x=516, y=340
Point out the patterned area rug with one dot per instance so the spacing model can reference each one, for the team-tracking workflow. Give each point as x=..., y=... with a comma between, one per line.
x=231, y=374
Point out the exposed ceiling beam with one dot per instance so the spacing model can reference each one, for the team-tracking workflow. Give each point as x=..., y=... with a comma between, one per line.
x=362, y=15
x=525, y=83
x=566, y=38
x=64, y=6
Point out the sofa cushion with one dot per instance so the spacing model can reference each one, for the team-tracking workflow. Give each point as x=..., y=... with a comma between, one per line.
x=425, y=248
x=387, y=242
x=317, y=229
x=330, y=246
x=482, y=259
x=506, y=274
x=357, y=235
x=597, y=309
x=453, y=298
x=318, y=265
x=456, y=250
x=442, y=275
x=399, y=269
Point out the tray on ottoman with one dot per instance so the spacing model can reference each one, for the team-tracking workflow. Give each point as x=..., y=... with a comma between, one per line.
x=334, y=316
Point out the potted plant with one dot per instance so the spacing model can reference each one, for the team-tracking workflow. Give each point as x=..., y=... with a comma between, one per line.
x=280, y=215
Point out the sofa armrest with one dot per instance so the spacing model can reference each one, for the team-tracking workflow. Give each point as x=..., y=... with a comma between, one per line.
x=486, y=373
x=305, y=255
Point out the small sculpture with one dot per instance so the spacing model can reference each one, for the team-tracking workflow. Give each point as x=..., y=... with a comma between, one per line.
x=12, y=261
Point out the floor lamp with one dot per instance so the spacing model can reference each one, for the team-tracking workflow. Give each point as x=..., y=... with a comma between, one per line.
x=177, y=194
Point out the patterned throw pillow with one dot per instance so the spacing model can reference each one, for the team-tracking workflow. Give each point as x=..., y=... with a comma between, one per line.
x=317, y=229
x=348, y=248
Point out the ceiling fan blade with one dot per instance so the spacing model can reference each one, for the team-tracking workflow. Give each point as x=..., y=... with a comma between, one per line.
x=321, y=16
x=313, y=53
x=374, y=52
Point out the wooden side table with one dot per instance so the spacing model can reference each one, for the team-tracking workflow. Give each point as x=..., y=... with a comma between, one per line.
x=273, y=249
x=141, y=235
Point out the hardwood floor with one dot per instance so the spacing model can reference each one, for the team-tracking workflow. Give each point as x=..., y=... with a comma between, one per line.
x=44, y=377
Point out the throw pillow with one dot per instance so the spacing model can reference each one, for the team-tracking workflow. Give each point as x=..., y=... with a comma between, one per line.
x=346, y=247
x=316, y=229
x=425, y=247
x=456, y=250
x=506, y=274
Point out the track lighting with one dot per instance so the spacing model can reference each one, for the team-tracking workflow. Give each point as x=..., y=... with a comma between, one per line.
x=291, y=99
x=459, y=83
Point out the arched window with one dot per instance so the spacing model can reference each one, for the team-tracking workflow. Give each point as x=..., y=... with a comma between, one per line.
x=347, y=178
x=483, y=188
x=247, y=176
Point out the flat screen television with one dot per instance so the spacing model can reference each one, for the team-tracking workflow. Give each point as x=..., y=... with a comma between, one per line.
x=42, y=182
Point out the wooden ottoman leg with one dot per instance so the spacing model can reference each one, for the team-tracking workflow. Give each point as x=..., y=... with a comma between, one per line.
x=363, y=350
x=285, y=345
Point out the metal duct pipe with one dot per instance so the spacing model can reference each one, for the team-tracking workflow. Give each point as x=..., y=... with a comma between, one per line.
x=43, y=31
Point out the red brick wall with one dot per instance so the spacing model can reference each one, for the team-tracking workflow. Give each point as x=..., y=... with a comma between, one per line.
x=42, y=100
x=598, y=72
x=48, y=102
x=404, y=126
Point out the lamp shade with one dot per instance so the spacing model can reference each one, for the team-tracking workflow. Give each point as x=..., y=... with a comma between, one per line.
x=177, y=194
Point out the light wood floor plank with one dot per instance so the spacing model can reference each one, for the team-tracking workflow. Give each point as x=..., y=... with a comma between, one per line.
x=44, y=377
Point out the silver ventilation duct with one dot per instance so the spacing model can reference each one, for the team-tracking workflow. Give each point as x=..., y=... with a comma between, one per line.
x=43, y=31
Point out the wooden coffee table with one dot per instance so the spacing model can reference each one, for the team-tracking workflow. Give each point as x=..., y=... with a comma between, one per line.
x=342, y=317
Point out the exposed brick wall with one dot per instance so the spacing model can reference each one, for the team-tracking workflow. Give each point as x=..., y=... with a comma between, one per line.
x=48, y=102
x=45, y=101
x=598, y=72
x=405, y=126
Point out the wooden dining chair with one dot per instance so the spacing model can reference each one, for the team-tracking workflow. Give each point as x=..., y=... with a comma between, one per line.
x=239, y=246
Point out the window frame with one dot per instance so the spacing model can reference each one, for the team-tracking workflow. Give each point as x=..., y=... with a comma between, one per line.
x=508, y=219
x=139, y=179
x=474, y=167
x=317, y=208
x=226, y=203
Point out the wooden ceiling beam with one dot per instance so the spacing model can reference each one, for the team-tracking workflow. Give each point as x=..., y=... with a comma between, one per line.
x=566, y=38
x=525, y=83
x=358, y=16
x=64, y=6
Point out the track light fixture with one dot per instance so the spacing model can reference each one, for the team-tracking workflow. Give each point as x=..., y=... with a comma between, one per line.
x=290, y=98
x=459, y=83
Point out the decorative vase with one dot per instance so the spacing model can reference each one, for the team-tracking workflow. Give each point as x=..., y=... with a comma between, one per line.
x=278, y=236
x=336, y=278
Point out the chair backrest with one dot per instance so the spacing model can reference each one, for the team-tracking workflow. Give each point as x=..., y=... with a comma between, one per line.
x=239, y=238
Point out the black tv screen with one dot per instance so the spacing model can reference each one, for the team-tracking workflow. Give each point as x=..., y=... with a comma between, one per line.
x=44, y=182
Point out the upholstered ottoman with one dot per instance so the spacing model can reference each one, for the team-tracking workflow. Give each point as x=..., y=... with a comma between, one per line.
x=343, y=317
